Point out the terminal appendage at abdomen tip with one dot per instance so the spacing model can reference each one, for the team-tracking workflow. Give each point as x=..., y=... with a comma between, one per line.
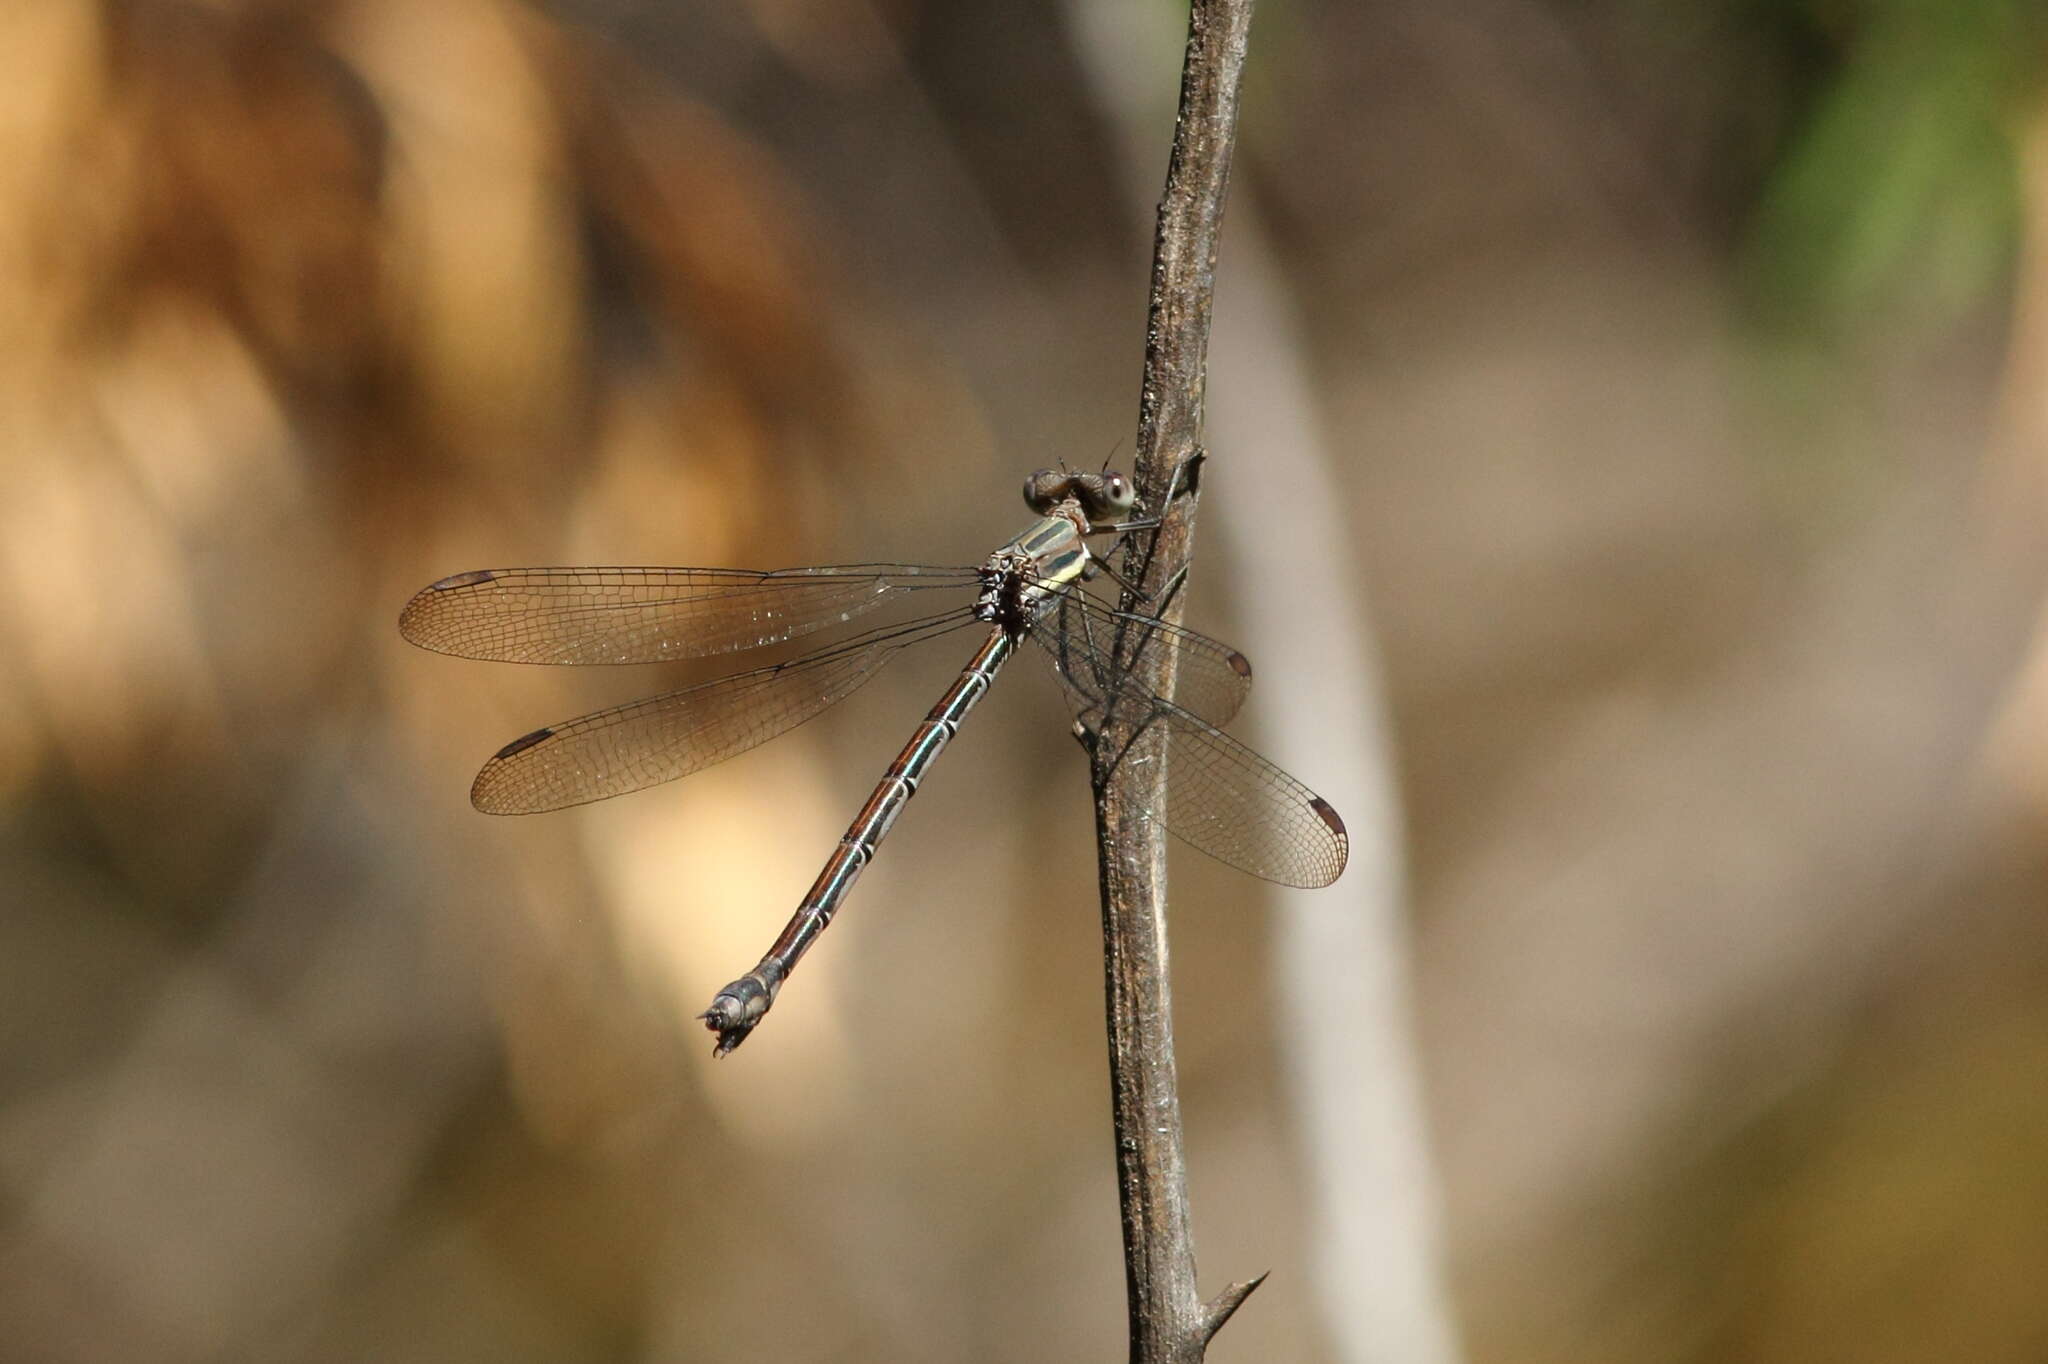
x=735, y=1010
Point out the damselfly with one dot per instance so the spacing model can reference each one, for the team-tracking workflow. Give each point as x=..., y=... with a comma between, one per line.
x=1220, y=796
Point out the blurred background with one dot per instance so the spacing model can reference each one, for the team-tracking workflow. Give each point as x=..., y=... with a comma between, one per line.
x=1628, y=427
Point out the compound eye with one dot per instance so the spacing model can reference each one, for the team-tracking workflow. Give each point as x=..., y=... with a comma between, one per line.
x=1122, y=496
x=1043, y=489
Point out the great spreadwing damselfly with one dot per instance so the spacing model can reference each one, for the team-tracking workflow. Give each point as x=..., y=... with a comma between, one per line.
x=1220, y=796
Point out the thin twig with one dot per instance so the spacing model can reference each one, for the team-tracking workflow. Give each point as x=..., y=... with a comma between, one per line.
x=1169, y=1319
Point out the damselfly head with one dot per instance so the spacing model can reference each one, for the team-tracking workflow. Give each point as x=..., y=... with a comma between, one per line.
x=1107, y=497
x=1045, y=488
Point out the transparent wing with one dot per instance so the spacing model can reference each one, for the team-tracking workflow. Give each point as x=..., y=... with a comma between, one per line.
x=1234, y=805
x=641, y=744
x=1084, y=639
x=646, y=615
x=1221, y=797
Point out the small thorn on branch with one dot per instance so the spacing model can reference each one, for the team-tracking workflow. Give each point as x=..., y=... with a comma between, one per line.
x=1220, y=1308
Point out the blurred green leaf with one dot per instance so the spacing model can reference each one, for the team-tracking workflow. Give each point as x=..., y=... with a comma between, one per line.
x=1897, y=200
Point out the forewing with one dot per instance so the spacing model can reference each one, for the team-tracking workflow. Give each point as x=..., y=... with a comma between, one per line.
x=645, y=615
x=1086, y=641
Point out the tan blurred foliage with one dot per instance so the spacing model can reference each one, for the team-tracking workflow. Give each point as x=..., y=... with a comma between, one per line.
x=300, y=300
x=278, y=271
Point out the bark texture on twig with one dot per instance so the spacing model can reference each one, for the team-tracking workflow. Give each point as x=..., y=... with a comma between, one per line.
x=1169, y=1319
